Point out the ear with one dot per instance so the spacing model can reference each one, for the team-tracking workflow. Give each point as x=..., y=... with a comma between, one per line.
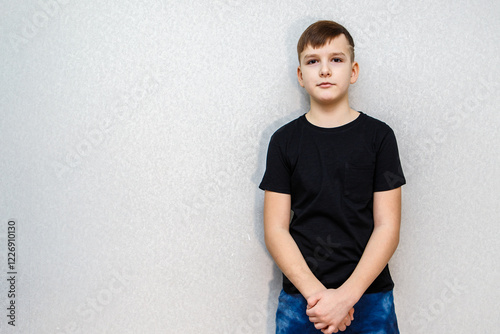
x=299, y=77
x=354, y=72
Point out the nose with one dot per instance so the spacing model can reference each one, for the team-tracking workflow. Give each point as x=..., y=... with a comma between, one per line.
x=325, y=70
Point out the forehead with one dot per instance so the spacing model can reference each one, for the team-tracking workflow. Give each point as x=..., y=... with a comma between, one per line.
x=333, y=45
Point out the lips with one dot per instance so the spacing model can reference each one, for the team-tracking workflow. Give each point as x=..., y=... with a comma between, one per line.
x=325, y=84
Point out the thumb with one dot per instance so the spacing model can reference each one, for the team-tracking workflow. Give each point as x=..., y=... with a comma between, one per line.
x=313, y=300
x=351, y=313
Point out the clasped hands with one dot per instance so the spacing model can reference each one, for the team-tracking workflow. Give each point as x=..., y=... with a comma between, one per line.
x=330, y=310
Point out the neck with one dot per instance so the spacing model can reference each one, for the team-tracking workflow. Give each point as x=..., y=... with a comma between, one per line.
x=333, y=115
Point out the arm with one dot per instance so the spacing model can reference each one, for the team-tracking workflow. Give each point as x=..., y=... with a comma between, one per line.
x=283, y=248
x=285, y=251
x=328, y=308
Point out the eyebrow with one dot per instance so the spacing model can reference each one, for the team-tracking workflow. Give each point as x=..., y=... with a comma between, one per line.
x=331, y=54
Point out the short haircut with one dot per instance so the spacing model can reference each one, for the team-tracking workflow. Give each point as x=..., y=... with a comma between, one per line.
x=320, y=33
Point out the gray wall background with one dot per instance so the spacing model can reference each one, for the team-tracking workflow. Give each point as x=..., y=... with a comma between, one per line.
x=133, y=136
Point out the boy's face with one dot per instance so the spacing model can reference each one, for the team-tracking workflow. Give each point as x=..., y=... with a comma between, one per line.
x=327, y=72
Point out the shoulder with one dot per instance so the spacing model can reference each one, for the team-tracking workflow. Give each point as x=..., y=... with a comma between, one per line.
x=376, y=124
x=287, y=131
x=376, y=129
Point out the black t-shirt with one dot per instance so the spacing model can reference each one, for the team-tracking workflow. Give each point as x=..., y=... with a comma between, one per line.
x=331, y=174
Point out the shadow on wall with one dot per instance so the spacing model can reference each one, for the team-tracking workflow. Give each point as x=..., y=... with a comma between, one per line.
x=275, y=285
x=276, y=281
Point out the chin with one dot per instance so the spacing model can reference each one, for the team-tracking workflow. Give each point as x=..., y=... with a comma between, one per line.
x=327, y=100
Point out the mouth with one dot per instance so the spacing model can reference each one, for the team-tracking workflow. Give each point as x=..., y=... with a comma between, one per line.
x=325, y=84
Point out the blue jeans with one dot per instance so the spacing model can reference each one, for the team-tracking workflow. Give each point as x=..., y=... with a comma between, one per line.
x=374, y=313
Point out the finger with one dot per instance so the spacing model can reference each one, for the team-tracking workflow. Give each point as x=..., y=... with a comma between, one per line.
x=347, y=321
x=320, y=325
x=311, y=310
x=351, y=313
x=314, y=320
x=329, y=330
x=341, y=327
x=313, y=300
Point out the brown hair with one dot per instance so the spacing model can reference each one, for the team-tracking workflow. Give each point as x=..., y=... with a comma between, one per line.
x=320, y=33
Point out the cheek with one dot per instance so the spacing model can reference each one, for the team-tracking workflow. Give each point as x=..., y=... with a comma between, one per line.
x=308, y=77
x=347, y=73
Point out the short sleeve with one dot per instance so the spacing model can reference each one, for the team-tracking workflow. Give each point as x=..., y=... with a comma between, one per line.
x=388, y=171
x=278, y=172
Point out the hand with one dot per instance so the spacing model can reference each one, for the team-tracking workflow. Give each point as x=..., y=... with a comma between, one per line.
x=342, y=327
x=330, y=310
x=344, y=324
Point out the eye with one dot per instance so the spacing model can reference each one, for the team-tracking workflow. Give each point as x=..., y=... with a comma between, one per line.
x=312, y=61
x=337, y=60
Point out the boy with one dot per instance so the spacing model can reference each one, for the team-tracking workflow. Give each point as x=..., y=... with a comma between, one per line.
x=338, y=170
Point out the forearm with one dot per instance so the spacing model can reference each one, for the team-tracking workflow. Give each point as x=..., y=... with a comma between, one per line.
x=283, y=248
x=382, y=243
x=289, y=259
x=379, y=249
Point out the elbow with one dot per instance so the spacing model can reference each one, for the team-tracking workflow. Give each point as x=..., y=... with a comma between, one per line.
x=273, y=236
x=395, y=238
x=268, y=239
x=396, y=241
x=390, y=233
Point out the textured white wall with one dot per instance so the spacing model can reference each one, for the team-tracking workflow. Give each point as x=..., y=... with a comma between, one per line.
x=133, y=136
